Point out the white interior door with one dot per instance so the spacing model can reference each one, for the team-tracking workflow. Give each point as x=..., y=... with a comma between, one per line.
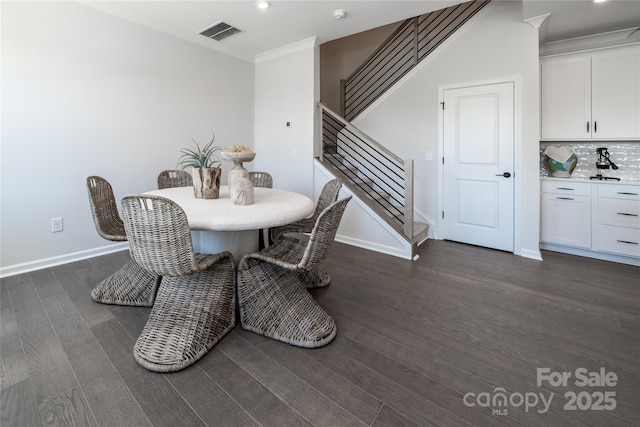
x=478, y=179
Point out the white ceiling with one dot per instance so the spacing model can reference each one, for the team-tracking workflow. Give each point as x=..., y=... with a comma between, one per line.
x=579, y=18
x=288, y=21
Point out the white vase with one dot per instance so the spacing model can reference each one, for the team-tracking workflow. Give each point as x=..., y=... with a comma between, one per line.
x=241, y=190
x=240, y=185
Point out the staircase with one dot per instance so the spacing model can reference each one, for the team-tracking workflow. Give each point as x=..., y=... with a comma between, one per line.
x=374, y=174
x=377, y=176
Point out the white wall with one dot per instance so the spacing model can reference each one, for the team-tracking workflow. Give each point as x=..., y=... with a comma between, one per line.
x=286, y=82
x=499, y=46
x=85, y=93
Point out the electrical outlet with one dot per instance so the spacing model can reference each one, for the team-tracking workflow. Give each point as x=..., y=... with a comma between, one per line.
x=289, y=125
x=56, y=225
x=294, y=153
x=429, y=155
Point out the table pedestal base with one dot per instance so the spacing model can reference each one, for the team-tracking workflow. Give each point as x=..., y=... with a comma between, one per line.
x=239, y=243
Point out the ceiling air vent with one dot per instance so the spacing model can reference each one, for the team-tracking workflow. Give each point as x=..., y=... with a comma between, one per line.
x=220, y=31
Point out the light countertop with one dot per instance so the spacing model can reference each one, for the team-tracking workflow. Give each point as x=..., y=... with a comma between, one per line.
x=592, y=181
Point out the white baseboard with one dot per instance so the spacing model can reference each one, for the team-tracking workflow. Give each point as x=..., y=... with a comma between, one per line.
x=528, y=253
x=389, y=250
x=26, y=267
x=591, y=254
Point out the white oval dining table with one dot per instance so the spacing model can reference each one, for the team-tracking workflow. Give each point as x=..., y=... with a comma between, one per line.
x=220, y=225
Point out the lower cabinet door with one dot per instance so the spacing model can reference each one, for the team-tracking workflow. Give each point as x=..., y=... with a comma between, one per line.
x=566, y=220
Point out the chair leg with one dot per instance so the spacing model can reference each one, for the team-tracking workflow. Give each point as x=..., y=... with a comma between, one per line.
x=191, y=314
x=275, y=303
x=130, y=285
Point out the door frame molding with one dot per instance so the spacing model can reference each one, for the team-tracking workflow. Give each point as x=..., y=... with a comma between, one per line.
x=517, y=152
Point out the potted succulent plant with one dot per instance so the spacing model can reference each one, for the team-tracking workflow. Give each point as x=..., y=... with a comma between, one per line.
x=205, y=168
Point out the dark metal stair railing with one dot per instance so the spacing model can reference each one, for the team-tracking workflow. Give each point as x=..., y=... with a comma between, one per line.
x=412, y=41
x=383, y=177
x=376, y=173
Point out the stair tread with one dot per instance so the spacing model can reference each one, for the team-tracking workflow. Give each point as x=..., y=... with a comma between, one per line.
x=419, y=228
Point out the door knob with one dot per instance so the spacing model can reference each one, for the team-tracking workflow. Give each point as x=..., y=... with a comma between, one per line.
x=506, y=174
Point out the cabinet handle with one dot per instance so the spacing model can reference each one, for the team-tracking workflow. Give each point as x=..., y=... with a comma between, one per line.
x=595, y=127
x=565, y=188
x=627, y=194
x=627, y=214
x=564, y=198
x=626, y=241
x=587, y=127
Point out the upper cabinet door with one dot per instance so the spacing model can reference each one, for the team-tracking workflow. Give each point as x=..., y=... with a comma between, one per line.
x=616, y=93
x=592, y=95
x=566, y=98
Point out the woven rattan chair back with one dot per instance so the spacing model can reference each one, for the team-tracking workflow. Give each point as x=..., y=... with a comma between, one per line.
x=174, y=178
x=328, y=195
x=104, y=209
x=323, y=234
x=159, y=236
x=130, y=285
x=261, y=179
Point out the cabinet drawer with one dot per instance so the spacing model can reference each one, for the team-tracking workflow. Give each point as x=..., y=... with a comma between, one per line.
x=627, y=192
x=563, y=187
x=619, y=240
x=625, y=213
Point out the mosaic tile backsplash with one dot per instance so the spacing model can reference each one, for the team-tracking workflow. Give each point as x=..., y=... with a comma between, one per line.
x=626, y=155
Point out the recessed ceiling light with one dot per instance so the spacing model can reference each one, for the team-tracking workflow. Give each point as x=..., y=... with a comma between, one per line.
x=263, y=4
x=599, y=1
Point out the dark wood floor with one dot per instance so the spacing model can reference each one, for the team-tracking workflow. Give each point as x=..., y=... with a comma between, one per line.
x=416, y=340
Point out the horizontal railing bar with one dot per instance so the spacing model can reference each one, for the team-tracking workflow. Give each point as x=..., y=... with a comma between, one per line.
x=447, y=14
x=400, y=58
x=389, y=186
x=380, y=49
x=429, y=18
x=398, y=215
x=389, y=64
x=355, y=141
x=368, y=185
x=452, y=24
x=390, y=182
x=397, y=44
x=410, y=42
x=356, y=109
x=388, y=176
x=362, y=135
x=356, y=155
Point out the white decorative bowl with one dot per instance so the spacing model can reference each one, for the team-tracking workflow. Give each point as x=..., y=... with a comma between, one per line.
x=237, y=157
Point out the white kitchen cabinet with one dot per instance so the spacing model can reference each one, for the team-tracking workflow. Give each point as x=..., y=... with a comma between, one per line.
x=619, y=219
x=593, y=95
x=591, y=218
x=566, y=214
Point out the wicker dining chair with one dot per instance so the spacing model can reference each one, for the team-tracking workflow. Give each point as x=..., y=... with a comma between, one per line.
x=174, y=178
x=328, y=195
x=261, y=179
x=130, y=285
x=196, y=302
x=318, y=277
x=272, y=297
x=265, y=180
